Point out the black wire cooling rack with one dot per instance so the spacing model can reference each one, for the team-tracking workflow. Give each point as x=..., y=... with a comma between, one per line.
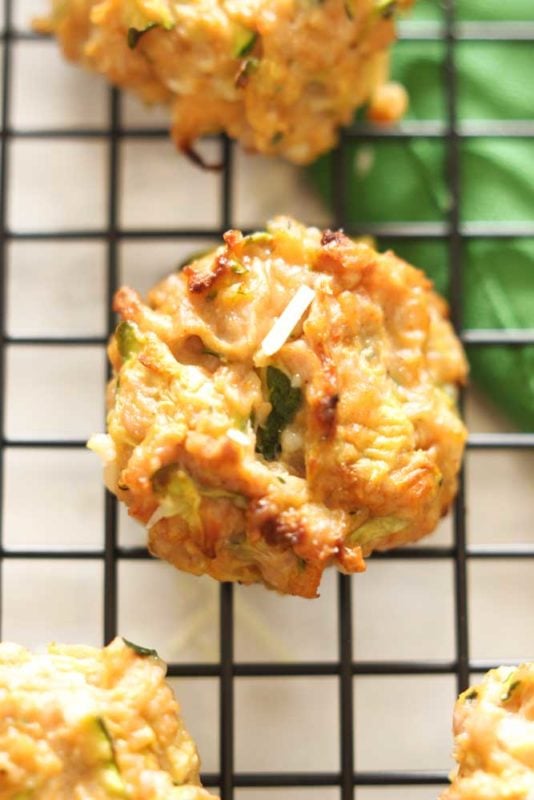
x=347, y=777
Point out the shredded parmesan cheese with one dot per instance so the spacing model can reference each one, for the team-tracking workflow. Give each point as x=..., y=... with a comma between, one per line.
x=103, y=445
x=238, y=437
x=281, y=330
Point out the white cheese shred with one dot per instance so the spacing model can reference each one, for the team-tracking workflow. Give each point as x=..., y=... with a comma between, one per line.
x=292, y=313
x=158, y=514
x=238, y=437
x=103, y=445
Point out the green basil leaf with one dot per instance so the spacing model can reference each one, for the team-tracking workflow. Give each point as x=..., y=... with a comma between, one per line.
x=285, y=401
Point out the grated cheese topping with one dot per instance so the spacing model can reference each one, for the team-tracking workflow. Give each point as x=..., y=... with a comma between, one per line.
x=238, y=437
x=284, y=325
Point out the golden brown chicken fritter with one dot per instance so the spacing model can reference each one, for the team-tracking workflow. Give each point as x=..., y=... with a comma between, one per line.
x=79, y=723
x=494, y=738
x=279, y=75
x=283, y=403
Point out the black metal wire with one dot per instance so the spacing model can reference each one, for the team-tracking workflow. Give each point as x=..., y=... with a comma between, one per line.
x=415, y=129
x=226, y=692
x=456, y=294
x=226, y=595
x=346, y=667
x=110, y=503
x=465, y=31
x=476, y=552
x=396, y=230
x=344, y=598
x=346, y=701
x=4, y=172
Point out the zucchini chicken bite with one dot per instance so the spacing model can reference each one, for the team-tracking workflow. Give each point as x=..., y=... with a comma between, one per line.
x=279, y=75
x=88, y=724
x=283, y=403
x=494, y=738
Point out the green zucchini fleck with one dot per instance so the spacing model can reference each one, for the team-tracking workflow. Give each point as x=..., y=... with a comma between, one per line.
x=134, y=34
x=138, y=23
x=139, y=650
x=102, y=742
x=261, y=237
x=207, y=352
x=376, y=528
x=112, y=780
x=237, y=267
x=183, y=495
x=128, y=339
x=349, y=8
x=244, y=42
x=512, y=686
x=195, y=256
x=471, y=695
x=386, y=8
x=237, y=499
x=99, y=752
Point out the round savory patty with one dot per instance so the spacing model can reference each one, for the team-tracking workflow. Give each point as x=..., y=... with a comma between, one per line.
x=78, y=723
x=280, y=75
x=283, y=403
x=494, y=738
